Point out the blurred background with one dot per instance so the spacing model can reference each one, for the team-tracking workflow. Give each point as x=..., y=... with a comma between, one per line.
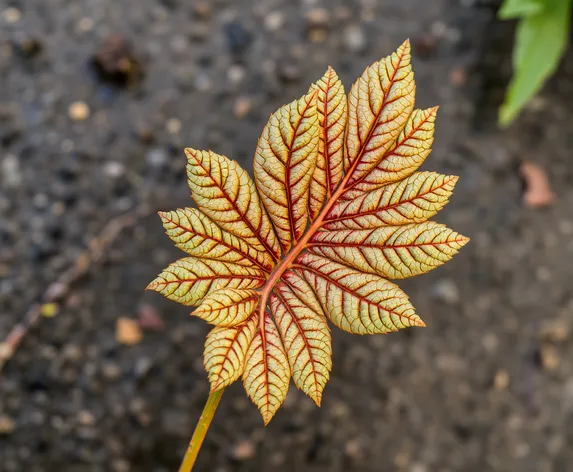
x=98, y=98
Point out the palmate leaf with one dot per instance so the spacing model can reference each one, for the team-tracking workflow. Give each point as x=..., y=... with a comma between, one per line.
x=335, y=210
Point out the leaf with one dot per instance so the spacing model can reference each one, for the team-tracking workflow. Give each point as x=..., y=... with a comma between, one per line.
x=226, y=351
x=284, y=163
x=228, y=306
x=267, y=373
x=189, y=280
x=379, y=105
x=357, y=302
x=226, y=194
x=511, y=9
x=412, y=200
x=336, y=208
x=197, y=235
x=396, y=252
x=304, y=332
x=332, y=115
x=408, y=153
x=540, y=41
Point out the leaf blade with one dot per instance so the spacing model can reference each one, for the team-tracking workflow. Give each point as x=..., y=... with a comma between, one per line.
x=199, y=236
x=225, y=352
x=395, y=252
x=403, y=158
x=284, y=162
x=189, y=280
x=304, y=333
x=332, y=117
x=227, y=306
x=412, y=200
x=357, y=302
x=267, y=373
x=540, y=41
x=379, y=104
x=226, y=194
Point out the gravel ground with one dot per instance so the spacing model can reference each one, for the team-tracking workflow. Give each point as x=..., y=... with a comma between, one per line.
x=97, y=101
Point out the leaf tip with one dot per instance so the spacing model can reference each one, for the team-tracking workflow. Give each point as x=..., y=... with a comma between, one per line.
x=317, y=398
x=419, y=323
x=152, y=285
x=506, y=115
x=191, y=153
x=451, y=181
x=267, y=415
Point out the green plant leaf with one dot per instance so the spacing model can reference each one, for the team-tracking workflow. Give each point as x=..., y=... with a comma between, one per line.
x=512, y=9
x=540, y=41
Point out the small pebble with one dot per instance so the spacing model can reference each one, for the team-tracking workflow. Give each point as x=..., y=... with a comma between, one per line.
x=7, y=425
x=72, y=352
x=84, y=25
x=418, y=467
x=49, y=310
x=157, y=157
x=114, y=169
x=242, y=107
x=458, y=76
x=317, y=35
x=6, y=351
x=27, y=45
x=111, y=371
x=185, y=76
x=201, y=9
x=353, y=448
x=274, y=21
x=173, y=126
x=555, y=331
x=78, y=111
x=501, y=380
x=238, y=38
x=425, y=45
x=86, y=418
x=199, y=32
x=243, y=450
x=236, y=74
x=318, y=18
x=12, y=15
x=549, y=357
x=149, y=318
x=179, y=44
x=289, y=72
x=203, y=82
x=142, y=367
x=447, y=291
x=11, y=175
x=354, y=39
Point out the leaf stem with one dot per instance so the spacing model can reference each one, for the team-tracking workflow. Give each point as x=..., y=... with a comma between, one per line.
x=201, y=430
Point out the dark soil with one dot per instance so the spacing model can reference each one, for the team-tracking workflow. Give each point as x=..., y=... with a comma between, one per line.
x=487, y=386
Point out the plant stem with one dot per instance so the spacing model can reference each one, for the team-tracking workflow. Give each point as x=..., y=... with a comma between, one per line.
x=200, y=431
